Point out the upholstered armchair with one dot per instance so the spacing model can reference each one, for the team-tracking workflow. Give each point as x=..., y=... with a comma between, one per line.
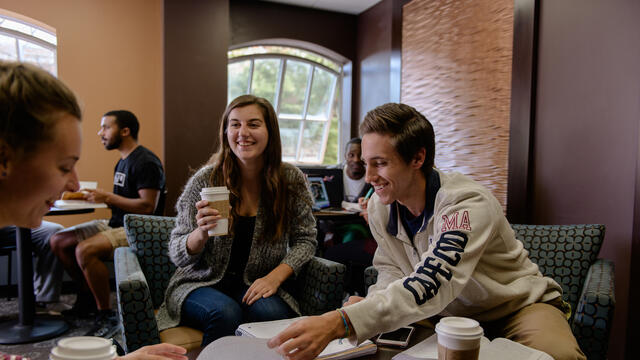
x=143, y=271
x=569, y=254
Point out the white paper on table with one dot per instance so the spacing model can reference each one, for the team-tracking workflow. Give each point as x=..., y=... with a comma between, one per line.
x=88, y=184
x=77, y=204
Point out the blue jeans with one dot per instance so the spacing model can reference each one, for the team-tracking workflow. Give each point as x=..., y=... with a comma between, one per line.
x=218, y=310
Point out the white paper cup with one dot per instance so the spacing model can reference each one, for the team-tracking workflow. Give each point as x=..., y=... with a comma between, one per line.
x=458, y=338
x=83, y=348
x=218, y=198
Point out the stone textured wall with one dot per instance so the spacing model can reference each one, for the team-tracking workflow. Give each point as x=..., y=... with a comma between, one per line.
x=456, y=69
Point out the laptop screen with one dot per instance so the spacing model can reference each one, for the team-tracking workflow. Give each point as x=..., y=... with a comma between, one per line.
x=332, y=182
x=319, y=192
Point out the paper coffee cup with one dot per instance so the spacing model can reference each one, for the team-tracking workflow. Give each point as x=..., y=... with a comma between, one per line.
x=218, y=198
x=83, y=348
x=458, y=338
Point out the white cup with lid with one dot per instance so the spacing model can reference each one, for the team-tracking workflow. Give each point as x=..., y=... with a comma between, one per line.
x=218, y=198
x=83, y=348
x=458, y=338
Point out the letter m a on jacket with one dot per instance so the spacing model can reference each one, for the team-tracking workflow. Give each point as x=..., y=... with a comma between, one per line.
x=450, y=222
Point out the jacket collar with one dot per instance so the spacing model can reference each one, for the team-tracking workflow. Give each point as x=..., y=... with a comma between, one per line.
x=433, y=185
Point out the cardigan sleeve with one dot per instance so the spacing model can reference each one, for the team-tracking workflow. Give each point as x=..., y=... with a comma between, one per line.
x=186, y=218
x=302, y=225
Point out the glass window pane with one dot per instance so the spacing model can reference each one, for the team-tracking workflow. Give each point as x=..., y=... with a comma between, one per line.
x=289, y=130
x=8, y=48
x=38, y=55
x=238, y=79
x=320, y=97
x=294, y=88
x=331, y=150
x=265, y=78
x=312, y=141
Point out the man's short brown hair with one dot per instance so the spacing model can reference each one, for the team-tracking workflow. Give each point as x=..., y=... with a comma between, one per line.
x=409, y=130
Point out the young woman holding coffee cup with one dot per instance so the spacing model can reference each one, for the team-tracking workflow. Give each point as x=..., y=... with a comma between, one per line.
x=40, y=142
x=225, y=280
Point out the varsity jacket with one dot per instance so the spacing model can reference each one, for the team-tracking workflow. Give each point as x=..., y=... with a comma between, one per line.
x=463, y=261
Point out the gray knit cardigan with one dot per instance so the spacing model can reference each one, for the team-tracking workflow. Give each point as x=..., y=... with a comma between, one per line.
x=295, y=248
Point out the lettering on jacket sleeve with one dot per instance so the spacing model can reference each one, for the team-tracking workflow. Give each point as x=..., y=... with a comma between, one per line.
x=425, y=284
x=450, y=222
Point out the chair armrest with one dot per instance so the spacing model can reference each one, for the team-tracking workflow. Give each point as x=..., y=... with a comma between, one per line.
x=322, y=286
x=134, y=301
x=593, y=317
x=370, y=277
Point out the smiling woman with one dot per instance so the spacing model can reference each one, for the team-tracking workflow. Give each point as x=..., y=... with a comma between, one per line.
x=225, y=280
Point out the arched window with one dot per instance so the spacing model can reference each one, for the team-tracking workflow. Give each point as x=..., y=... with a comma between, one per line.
x=305, y=89
x=21, y=40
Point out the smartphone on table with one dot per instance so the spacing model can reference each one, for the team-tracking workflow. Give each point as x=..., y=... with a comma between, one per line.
x=398, y=337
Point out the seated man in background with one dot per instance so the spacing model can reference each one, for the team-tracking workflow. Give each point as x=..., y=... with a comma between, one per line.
x=445, y=248
x=47, y=277
x=351, y=242
x=138, y=184
x=355, y=185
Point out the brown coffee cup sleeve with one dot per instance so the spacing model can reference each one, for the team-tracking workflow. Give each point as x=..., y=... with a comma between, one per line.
x=222, y=206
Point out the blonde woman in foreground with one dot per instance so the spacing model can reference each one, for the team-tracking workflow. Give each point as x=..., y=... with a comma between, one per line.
x=40, y=142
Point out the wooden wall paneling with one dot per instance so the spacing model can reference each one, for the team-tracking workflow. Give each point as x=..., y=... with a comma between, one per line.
x=195, y=88
x=632, y=350
x=523, y=91
x=456, y=69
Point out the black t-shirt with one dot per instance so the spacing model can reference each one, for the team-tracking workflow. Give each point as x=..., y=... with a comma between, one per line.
x=140, y=170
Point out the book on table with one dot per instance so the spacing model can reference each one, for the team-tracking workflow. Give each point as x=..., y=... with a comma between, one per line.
x=352, y=207
x=498, y=349
x=336, y=349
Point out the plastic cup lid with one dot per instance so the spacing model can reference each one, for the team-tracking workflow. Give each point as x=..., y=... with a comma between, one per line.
x=84, y=345
x=215, y=190
x=58, y=354
x=459, y=326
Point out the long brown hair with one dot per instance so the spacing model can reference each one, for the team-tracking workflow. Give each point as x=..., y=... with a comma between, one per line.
x=273, y=186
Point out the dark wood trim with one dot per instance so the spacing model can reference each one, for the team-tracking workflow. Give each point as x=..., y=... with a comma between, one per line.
x=395, y=61
x=523, y=93
x=631, y=350
x=195, y=87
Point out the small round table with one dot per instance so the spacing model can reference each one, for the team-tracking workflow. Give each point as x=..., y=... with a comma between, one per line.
x=29, y=328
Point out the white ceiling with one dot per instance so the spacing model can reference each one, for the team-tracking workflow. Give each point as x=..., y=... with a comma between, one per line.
x=354, y=7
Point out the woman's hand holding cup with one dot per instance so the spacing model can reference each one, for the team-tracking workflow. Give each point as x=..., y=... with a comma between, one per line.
x=206, y=219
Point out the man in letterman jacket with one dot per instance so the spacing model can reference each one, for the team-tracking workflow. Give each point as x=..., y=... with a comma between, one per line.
x=444, y=249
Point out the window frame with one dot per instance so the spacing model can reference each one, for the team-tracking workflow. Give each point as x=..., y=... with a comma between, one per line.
x=19, y=35
x=343, y=84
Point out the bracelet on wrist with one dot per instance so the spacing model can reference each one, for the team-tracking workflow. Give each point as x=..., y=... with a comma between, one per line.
x=343, y=315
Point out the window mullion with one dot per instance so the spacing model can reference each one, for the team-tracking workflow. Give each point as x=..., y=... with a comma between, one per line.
x=18, y=53
x=305, y=109
x=327, y=124
x=276, y=101
x=250, y=80
x=307, y=94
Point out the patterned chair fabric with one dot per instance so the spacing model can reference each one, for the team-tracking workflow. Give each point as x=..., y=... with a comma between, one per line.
x=569, y=255
x=143, y=271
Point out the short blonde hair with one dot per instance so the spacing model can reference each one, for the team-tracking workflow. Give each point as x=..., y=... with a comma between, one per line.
x=31, y=102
